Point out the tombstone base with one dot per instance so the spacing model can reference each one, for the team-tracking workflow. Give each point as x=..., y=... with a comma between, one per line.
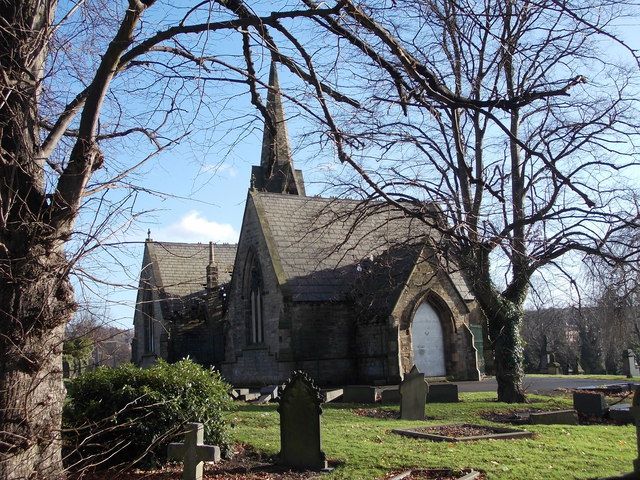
x=322, y=466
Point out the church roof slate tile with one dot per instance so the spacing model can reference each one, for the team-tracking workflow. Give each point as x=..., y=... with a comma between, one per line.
x=322, y=244
x=182, y=266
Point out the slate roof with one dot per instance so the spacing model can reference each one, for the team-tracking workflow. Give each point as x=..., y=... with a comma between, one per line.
x=321, y=246
x=180, y=268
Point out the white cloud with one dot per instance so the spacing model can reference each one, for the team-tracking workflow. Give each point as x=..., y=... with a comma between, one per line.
x=223, y=170
x=193, y=227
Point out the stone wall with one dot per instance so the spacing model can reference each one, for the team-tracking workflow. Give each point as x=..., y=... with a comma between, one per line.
x=322, y=340
x=247, y=364
x=425, y=285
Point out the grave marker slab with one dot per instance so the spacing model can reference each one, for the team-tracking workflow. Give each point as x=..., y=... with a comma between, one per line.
x=629, y=365
x=390, y=395
x=558, y=417
x=193, y=453
x=299, y=409
x=442, y=393
x=590, y=403
x=359, y=394
x=635, y=411
x=413, y=392
x=332, y=394
x=621, y=413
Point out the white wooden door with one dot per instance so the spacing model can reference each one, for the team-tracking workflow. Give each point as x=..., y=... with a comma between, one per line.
x=428, y=342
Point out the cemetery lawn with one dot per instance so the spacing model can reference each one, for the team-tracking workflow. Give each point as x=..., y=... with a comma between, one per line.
x=362, y=447
x=587, y=376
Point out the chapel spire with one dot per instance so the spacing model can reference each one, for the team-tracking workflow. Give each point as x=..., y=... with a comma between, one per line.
x=276, y=173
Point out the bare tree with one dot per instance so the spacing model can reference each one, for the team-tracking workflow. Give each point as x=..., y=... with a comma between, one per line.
x=518, y=119
x=72, y=82
x=464, y=104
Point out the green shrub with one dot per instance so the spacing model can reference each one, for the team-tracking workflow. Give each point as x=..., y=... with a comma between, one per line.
x=128, y=414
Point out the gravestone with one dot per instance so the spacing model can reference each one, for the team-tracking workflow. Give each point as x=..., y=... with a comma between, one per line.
x=621, y=413
x=442, y=393
x=359, y=394
x=629, y=365
x=473, y=372
x=413, y=392
x=590, y=403
x=299, y=409
x=553, y=367
x=390, y=395
x=635, y=411
x=193, y=453
x=544, y=355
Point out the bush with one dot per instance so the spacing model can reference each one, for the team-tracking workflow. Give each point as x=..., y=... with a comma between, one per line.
x=129, y=415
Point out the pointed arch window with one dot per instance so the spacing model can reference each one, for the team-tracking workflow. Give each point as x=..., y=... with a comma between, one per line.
x=147, y=318
x=254, y=293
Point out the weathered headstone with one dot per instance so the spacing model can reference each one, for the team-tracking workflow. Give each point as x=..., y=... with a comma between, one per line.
x=359, y=394
x=590, y=403
x=629, y=365
x=390, y=395
x=544, y=355
x=442, y=393
x=193, y=452
x=553, y=367
x=413, y=393
x=299, y=409
x=473, y=372
x=621, y=413
x=635, y=411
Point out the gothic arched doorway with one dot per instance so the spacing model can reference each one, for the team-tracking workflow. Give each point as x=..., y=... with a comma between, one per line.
x=428, y=342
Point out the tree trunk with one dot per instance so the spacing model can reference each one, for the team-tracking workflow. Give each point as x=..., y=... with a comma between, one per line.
x=504, y=328
x=37, y=302
x=36, y=299
x=504, y=315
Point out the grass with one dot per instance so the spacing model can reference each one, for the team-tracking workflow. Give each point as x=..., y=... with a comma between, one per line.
x=587, y=376
x=366, y=449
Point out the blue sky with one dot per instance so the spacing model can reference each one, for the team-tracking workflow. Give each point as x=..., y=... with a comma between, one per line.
x=203, y=183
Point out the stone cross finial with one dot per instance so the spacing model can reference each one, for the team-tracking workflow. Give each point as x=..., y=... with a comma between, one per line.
x=193, y=452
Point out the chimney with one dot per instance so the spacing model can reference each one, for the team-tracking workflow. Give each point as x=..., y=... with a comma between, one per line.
x=212, y=270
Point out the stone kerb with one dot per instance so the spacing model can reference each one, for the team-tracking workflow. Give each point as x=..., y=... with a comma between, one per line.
x=300, y=410
x=193, y=453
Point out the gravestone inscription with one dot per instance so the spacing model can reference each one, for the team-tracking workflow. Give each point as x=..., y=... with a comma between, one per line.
x=299, y=409
x=413, y=393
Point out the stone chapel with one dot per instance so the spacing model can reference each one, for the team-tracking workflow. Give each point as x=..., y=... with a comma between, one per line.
x=346, y=290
